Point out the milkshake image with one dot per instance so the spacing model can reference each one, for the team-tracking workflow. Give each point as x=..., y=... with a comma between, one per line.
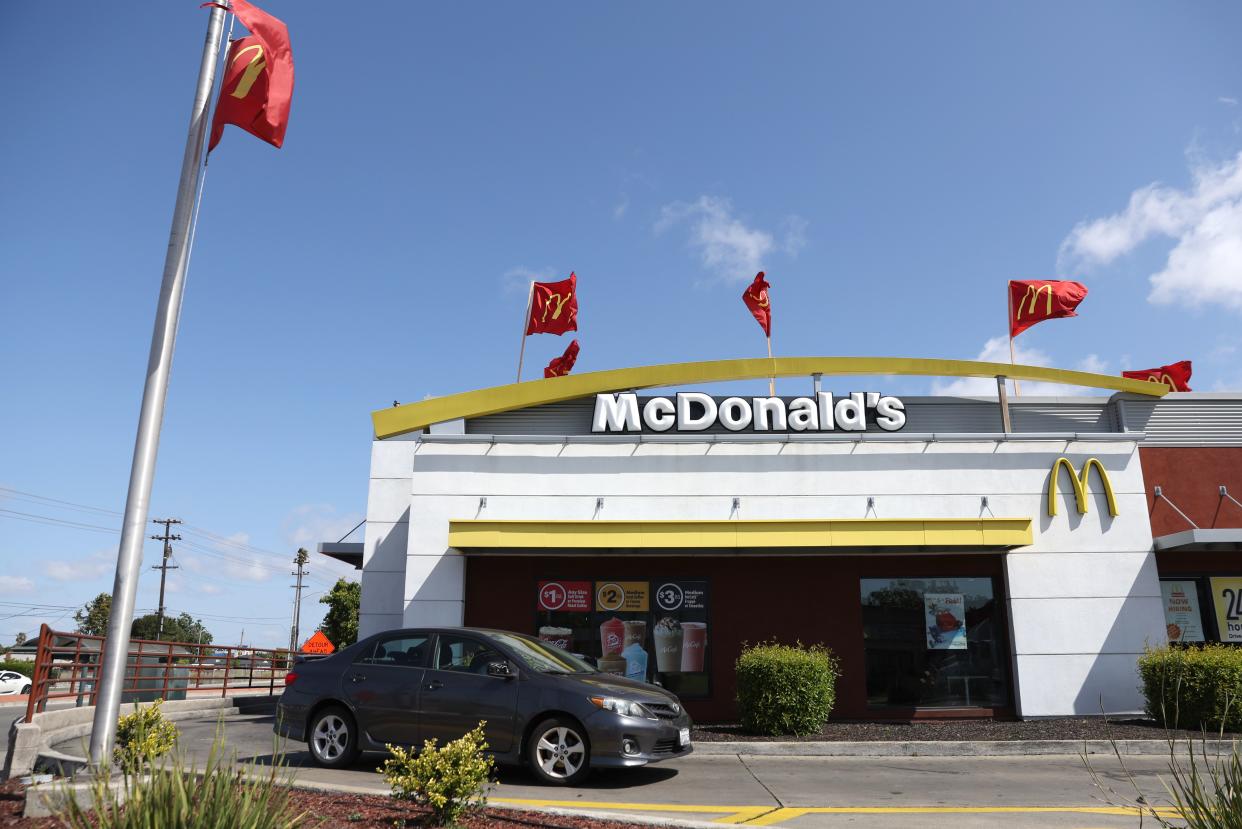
x=693, y=644
x=612, y=637
x=557, y=637
x=635, y=661
x=667, y=635
x=612, y=665
x=635, y=631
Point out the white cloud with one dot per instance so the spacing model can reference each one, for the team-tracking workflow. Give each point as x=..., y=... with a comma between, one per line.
x=209, y=589
x=518, y=279
x=622, y=206
x=996, y=350
x=1227, y=101
x=15, y=584
x=92, y=567
x=728, y=247
x=1205, y=220
x=308, y=524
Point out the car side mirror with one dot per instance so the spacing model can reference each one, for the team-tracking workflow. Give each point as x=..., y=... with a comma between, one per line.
x=500, y=669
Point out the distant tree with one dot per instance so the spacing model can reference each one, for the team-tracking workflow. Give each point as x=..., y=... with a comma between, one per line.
x=93, y=617
x=19, y=640
x=340, y=624
x=183, y=628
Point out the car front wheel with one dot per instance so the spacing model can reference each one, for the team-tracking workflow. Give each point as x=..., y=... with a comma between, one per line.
x=333, y=738
x=558, y=752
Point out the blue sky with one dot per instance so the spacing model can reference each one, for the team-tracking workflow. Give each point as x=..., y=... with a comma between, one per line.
x=890, y=167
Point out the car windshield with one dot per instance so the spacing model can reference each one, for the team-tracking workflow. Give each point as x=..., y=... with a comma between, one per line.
x=542, y=657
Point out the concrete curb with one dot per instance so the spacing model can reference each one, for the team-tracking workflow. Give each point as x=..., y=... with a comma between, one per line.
x=30, y=744
x=945, y=748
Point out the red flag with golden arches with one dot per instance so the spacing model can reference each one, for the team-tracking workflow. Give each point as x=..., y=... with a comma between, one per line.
x=258, y=78
x=756, y=298
x=553, y=307
x=1175, y=375
x=1032, y=301
x=562, y=365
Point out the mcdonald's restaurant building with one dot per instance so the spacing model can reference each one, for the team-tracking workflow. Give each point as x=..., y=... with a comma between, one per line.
x=963, y=557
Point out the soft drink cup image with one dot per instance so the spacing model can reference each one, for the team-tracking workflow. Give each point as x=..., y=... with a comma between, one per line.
x=635, y=631
x=612, y=637
x=693, y=646
x=612, y=665
x=635, y=661
x=667, y=635
x=557, y=636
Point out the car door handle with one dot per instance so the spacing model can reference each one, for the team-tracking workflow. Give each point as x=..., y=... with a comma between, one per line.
x=434, y=685
x=357, y=677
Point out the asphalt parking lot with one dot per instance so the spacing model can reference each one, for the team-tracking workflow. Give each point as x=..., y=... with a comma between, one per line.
x=966, y=792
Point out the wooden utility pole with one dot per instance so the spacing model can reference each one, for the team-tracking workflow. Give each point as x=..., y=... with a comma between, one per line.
x=164, y=566
x=300, y=560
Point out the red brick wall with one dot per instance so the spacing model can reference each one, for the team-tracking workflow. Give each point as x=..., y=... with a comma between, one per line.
x=752, y=598
x=1190, y=477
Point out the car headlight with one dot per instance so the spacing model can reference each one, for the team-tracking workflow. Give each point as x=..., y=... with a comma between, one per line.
x=624, y=707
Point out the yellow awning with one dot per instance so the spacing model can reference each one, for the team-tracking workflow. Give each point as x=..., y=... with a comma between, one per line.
x=932, y=533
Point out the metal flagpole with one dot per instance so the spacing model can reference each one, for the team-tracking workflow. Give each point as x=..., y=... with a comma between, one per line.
x=151, y=416
x=530, y=298
x=1017, y=391
x=771, y=380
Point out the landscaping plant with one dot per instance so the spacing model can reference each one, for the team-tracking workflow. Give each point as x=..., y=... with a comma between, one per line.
x=1193, y=687
x=143, y=736
x=167, y=794
x=450, y=781
x=786, y=689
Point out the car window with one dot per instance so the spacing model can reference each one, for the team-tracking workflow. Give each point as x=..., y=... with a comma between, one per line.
x=460, y=653
x=409, y=649
x=8, y=676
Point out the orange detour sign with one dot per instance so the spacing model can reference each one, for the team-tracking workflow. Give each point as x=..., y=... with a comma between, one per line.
x=318, y=644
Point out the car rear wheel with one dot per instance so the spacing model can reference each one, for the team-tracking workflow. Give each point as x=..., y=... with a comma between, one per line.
x=333, y=738
x=558, y=752
x=25, y=688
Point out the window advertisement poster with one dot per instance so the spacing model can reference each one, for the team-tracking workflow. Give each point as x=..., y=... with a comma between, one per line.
x=945, y=619
x=1227, y=598
x=650, y=631
x=1181, y=611
x=564, y=613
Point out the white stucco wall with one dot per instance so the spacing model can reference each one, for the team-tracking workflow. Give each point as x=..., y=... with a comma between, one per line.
x=1083, y=599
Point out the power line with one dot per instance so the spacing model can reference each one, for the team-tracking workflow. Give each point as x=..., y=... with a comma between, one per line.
x=47, y=519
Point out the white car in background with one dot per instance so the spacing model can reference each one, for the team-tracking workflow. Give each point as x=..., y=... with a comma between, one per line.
x=11, y=682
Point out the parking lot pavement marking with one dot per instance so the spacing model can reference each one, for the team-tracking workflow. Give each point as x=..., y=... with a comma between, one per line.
x=746, y=815
x=632, y=807
x=776, y=816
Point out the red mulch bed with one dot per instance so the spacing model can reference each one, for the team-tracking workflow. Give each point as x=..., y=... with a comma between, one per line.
x=1054, y=728
x=332, y=810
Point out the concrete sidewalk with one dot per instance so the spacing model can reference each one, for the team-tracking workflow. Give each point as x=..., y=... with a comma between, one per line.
x=971, y=792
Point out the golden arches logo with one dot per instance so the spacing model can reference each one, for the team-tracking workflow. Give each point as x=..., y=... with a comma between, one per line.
x=251, y=74
x=1164, y=380
x=1079, y=481
x=1032, y=294
x=760, y=299
x=559, y=300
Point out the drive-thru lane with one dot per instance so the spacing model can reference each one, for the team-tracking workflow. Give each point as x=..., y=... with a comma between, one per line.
x=801, y=792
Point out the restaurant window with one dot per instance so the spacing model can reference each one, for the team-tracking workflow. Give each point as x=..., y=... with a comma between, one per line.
x=934, y=643
x=652, y=631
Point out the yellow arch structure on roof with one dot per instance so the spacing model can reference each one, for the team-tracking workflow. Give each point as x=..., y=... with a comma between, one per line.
x=410, y=417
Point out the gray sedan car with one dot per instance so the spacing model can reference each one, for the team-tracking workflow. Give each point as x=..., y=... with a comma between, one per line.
x=542, y=706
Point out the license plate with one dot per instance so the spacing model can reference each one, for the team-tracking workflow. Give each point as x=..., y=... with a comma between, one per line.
x=683, y=737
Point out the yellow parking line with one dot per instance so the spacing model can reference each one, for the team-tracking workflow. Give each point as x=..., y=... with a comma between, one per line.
x=770, y=816
x=747, y=815
x=634, y=807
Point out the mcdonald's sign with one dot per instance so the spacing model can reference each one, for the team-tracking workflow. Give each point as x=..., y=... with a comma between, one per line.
x=1079, y=481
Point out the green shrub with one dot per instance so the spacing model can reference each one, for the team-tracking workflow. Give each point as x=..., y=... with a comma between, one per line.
x=144, y=735
x=450, y=781
x=1199, y=687
x=167, y=794
x=786, y=689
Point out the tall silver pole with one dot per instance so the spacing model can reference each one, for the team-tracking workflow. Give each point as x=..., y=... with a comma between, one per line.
x=146, y=445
